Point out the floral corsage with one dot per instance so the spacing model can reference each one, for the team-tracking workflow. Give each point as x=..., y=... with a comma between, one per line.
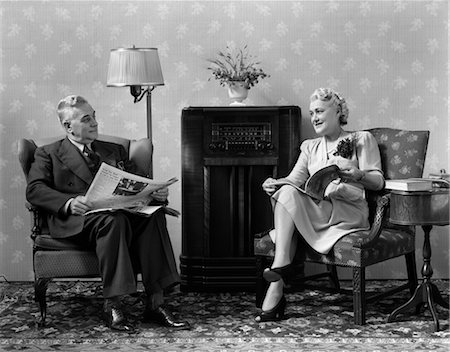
x=345, y=148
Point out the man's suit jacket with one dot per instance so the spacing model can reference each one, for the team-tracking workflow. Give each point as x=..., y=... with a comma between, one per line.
x=60, y=172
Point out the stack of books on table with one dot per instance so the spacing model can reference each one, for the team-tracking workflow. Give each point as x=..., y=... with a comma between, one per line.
x=409, y=184
x=416, y=184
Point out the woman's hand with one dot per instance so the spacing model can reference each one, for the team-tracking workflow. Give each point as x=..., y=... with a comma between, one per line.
x=269, y=187
x=343, y=191
x=352, y=174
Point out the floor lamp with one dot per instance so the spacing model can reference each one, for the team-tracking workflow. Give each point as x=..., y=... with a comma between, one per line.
x=139, y=69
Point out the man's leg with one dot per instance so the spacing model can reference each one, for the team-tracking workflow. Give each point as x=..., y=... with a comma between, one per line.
x=154, y=249
x=110, y=235
x=151, y=243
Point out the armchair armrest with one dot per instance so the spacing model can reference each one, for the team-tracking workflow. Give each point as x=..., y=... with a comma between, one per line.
x=36, y=220
x=378, y=222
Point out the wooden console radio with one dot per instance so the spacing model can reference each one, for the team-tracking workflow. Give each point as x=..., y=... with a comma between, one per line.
x=227, y=153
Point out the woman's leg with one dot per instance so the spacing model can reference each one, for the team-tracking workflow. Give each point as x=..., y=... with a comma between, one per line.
x=285, y=247
x=285, y=242
x=273, y=295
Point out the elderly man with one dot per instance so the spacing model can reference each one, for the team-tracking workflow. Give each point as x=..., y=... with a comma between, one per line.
x=58, y=179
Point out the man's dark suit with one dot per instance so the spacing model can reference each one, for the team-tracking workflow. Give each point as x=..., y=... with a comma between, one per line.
x=60, y=172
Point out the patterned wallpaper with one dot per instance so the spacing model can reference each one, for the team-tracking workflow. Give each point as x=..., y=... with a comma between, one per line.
x=388, y=58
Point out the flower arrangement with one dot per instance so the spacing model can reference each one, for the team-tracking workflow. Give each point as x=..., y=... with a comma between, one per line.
x=345, y=148
x=232, y=66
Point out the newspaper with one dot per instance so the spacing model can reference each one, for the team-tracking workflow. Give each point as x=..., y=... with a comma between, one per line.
x=114, y=189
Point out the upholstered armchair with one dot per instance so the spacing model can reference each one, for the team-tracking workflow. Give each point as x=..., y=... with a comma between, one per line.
x=60, y=258
x=403, y=156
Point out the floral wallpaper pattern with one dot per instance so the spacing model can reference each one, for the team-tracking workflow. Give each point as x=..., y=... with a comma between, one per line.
x=388, y=58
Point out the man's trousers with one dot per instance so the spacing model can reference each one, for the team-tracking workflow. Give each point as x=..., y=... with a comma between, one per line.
x=127, y=244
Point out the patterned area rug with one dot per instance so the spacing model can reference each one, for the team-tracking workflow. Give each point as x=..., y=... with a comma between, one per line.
x=315, y=321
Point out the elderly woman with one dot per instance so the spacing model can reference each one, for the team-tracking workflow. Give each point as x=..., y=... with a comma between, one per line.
x=343, y=210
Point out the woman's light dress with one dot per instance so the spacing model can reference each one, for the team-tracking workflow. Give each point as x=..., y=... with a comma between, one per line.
x=323, y=223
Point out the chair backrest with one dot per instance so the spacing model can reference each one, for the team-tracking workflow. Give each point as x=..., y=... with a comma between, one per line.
x=139, y=151
x=402, y=156
x=402, y=152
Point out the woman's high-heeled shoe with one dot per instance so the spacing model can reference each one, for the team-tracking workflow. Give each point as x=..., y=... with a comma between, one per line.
x=275, y=274
x=274, y=314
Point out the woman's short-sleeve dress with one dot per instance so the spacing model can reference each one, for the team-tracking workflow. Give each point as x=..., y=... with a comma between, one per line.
x=323, y=223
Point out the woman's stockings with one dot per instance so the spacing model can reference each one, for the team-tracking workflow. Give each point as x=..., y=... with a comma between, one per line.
x=285, y=247
x=285, y=242
x=273, y=295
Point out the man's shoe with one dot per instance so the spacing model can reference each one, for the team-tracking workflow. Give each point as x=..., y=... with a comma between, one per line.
x=164, y=317
x=115, y=319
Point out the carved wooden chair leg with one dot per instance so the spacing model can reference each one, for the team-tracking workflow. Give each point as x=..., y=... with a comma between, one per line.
x=334, y=276
x=359, y=296
x=40, y=291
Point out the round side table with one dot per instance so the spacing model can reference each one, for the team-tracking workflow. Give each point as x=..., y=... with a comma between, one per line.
x=427, y=209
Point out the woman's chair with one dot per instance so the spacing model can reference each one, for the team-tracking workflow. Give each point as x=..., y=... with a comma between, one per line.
x=59, y=257
x=402, y=156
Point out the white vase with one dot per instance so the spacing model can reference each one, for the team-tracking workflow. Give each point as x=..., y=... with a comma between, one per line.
x=238, y=92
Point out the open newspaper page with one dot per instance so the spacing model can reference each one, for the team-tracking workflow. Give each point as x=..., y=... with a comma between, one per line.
x=114, y=189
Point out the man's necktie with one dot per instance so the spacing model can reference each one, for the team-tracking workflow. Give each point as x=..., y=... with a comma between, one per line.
x=92, y=159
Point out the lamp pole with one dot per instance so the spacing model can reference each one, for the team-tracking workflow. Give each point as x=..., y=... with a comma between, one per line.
x=149, y=126
x=149, y=114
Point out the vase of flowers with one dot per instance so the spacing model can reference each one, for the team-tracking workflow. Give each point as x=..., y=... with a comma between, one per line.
x=238, y=92
x=238, y=70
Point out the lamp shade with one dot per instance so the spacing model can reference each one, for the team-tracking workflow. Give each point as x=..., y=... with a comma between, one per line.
x=134, y=67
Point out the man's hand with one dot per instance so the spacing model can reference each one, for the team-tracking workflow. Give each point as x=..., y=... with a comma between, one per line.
x=161, y=195
x=79, y=205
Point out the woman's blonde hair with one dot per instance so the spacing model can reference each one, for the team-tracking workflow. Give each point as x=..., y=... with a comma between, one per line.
x=328, y=94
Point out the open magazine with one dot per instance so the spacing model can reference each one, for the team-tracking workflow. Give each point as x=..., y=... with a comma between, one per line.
x=317, y=183
x=114, y=189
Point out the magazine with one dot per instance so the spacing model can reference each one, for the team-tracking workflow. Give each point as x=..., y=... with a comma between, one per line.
x=317, y=183
x=113, y=189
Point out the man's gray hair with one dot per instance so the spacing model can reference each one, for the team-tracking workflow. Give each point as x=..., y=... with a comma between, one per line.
x=67, y=104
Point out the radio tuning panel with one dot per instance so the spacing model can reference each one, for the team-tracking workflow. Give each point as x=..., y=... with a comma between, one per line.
x=241, y=137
